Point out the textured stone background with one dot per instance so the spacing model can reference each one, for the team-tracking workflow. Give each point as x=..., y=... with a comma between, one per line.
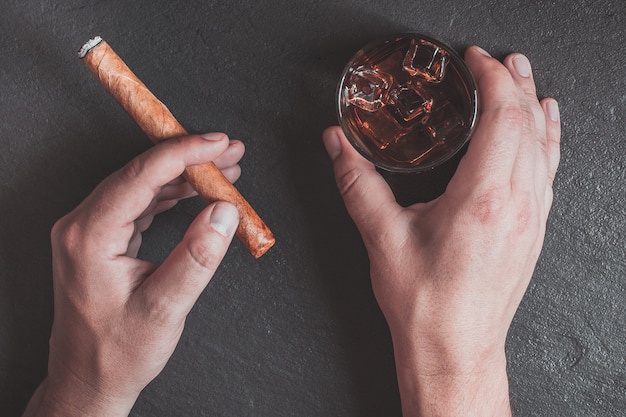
x=298, y=332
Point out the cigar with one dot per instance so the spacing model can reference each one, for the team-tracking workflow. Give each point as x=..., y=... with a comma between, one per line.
x=159, y=124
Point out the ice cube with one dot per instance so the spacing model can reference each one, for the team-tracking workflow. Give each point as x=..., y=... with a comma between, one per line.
x=425, y=60
x=414, y=147
x=382, y=128
x=411, y=101
x=367, y=89
x=445, y=123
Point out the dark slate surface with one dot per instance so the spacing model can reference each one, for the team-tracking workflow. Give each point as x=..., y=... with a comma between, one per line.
x=298, y=332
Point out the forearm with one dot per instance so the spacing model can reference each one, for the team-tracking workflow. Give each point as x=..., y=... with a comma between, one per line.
x=433, y=384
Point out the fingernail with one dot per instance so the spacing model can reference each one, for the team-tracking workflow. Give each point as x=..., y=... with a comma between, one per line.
x=522, y=65
x=553, y=110
x=224, y=219
x=482, y=51
x=213, y=136
x=332, y=144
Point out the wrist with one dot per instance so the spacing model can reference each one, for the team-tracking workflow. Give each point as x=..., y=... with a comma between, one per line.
x=437, y=379
x=68, y=399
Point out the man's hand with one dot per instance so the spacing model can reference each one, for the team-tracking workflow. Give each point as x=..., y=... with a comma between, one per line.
x=450, y=274
x=117, y=319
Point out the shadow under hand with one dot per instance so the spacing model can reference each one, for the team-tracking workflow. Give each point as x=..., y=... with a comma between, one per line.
x=424, y=186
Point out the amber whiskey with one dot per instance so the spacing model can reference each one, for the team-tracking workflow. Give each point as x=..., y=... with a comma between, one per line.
x=407, y=103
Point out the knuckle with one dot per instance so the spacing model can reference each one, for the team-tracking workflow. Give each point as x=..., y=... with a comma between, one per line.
x=133, y=168
x=58, y=230
x=489, y=206
x=348, y=182
x=511, y=114
x=519, y=116
x=203, y=254
x=66, y=235
x=508, y=215
x=159, y=308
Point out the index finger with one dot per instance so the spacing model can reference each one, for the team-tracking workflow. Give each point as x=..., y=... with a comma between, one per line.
x=111, y=209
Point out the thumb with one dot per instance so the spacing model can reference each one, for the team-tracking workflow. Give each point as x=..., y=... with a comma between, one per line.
x=368, y=198
x=174, y=287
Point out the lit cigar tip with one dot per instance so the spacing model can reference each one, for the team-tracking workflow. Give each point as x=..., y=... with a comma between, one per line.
x=88, y=46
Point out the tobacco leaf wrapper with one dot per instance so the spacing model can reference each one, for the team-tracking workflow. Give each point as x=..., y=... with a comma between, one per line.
x=159, y=124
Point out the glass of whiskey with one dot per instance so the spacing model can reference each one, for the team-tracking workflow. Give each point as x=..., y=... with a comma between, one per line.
x=407, y=103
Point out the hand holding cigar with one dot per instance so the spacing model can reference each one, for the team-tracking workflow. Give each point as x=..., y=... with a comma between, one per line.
x=159, y=124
